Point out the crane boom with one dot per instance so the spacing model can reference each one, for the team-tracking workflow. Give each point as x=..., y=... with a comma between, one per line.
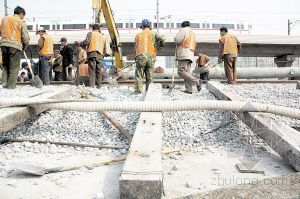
x=104, y=6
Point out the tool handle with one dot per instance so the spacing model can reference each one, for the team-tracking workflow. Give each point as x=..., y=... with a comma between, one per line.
x=29, y=64
x=89, y=165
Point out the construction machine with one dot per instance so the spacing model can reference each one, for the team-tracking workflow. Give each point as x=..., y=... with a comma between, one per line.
x=103, y=6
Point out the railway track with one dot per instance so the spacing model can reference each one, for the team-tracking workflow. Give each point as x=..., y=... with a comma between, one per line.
x=211, y=143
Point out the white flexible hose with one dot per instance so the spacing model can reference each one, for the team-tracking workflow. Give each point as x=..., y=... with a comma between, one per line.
x=155, y=106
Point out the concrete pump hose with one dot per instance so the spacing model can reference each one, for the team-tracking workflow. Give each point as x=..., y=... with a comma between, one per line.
x=154, y=106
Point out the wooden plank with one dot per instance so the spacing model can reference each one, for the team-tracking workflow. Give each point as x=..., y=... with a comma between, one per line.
x=142, y=175
x=11, y=117
x=283, y=139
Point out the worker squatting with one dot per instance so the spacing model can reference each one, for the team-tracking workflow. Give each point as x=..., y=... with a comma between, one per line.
x=91, y=52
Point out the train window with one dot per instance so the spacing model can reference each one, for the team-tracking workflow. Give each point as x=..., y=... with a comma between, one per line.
x=46, y=27
x=53, y=27
x=242, y=26
x=161, y=25
x=104, y=25
x=58, y=27
x=119, y=25
x=195, y=25
x=170, y=25
x=30, y=27
x=178, y=25
x=138, y=25
x=205, y=25
x=129, y=25
x=217, y=26
x=74, y=26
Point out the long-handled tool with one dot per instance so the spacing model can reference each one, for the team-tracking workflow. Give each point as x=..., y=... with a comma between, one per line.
x=204, y=69
x=35, y=81
x=40, y=171
x=173, y=76
x=8, y=140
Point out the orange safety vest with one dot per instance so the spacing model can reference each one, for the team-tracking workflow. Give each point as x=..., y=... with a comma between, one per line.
x=97, y=42
x=83, y=70
x=11, y=28
x=230, y=44
x=190, y=40
x=144, y=43
x=48, y=45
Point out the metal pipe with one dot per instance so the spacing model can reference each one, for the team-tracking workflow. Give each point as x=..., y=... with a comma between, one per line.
x=242, y=73
x=157, y=106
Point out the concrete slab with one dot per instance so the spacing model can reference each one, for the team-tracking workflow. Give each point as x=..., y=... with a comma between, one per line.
x=11, y=117
x=142, y=175
x=283, y=139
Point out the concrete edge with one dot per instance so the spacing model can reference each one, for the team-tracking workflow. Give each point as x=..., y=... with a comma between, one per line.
x=283, y=139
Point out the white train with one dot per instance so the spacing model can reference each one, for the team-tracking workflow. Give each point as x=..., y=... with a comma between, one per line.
x=132, y=26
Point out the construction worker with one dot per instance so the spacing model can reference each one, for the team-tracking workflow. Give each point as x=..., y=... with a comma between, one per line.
x=229, y=46
x=185, y=41
x=15, y=39
x=145, y=56
x=67, y=53
x=81, y=55
x=57, y=66
x=45, y=45
x=96, y=49
x=201, y=62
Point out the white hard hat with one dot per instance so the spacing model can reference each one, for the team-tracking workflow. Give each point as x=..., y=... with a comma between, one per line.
x=40, y=28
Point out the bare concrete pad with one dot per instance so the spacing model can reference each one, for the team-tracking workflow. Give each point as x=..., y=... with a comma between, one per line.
x=278, y=187
x=11, y=117
x=283, y=139
x=142, y=174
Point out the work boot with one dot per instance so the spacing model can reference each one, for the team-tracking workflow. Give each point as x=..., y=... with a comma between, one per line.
x=199, y=87
x=188, y=92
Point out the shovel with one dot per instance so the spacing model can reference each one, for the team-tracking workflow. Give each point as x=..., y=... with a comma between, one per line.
x=35, y=81
x=40, y=171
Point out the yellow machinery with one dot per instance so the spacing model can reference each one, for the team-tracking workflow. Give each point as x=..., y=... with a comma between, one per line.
x=104, y=7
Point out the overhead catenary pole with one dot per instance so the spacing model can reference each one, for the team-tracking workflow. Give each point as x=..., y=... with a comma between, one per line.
x=157, y=15
x=5, y=7
x=289, y=27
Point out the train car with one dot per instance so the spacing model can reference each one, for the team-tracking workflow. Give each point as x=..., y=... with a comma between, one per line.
x=133, y=26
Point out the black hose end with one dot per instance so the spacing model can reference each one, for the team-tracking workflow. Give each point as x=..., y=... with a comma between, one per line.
x=4, y=140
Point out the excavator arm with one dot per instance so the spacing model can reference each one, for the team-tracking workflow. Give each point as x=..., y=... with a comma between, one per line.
x=104, y=6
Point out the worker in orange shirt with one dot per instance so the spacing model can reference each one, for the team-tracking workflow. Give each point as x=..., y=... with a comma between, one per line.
x=229, y=47
x=96, y=50
x=14, y=39
x=45, y=45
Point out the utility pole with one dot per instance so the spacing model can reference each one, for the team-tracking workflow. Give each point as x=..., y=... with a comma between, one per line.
x=157, y=15
x=289, y=27
x=5, y=7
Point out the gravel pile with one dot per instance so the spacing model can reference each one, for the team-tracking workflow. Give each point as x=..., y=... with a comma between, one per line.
x=277, y=94
x=193, y=131
x=89, y=128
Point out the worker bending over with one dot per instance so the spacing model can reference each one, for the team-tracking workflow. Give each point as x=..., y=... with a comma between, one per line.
x=185, y=41
x=202, y=62
x=82, y=73
x=14, y=39
x=45, y=45
x=229, y=47
x=145, y=56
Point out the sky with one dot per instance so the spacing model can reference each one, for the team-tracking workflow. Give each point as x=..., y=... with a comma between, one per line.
x=267, y=17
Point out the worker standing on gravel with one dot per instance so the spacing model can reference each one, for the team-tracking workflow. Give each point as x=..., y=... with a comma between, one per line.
x=14, y=39
x=229, y=47
x=57, y=66
x=67, y=53
x=45, y=45
x=145, y=56
x=185, y=41
x=96, y=43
